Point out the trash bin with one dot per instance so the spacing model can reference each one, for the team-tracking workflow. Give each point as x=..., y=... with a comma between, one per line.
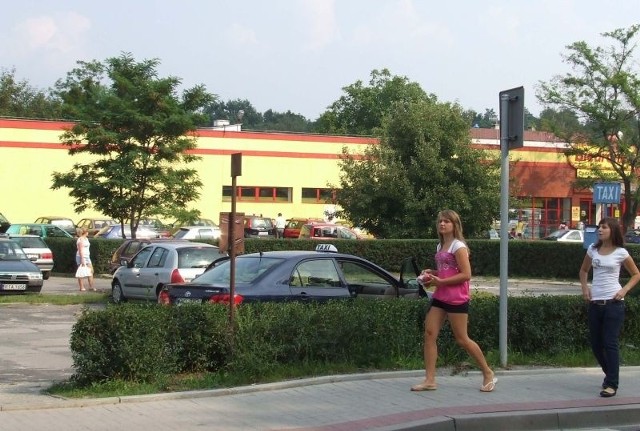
x=590, y=235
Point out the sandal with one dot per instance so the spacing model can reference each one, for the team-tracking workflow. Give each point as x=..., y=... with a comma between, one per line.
x=489, y=387
x=608, y=392
x=424, y=387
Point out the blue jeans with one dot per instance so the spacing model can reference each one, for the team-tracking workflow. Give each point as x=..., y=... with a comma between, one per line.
x=605, y=323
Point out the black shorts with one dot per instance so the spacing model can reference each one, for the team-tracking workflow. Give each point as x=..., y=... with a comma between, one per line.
x=451, y=308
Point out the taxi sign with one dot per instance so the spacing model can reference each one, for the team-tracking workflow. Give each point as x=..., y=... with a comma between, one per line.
x=327, y=247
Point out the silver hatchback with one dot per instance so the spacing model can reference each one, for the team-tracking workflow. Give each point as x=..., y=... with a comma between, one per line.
x=158, y=264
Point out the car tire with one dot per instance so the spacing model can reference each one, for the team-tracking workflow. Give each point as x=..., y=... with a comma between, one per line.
x=46, y=275
x=116, y=293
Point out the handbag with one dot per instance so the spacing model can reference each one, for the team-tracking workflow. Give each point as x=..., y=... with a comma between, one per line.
x=83, y=271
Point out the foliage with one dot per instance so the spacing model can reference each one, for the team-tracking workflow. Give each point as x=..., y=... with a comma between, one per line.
x=253, y=120
x=143, y=343
x=139, y=134
x=423, y=164
x=604, y=92
x=362, y=109
x=19, y=99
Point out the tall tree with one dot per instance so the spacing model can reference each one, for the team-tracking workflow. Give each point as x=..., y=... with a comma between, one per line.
x=604, y=91
x=21, y=100
x=138, y=132
x=423, y=164
x=361, y=110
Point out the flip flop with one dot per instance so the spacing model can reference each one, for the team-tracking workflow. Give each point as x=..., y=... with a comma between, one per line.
x=424, y=387
x=489, y=387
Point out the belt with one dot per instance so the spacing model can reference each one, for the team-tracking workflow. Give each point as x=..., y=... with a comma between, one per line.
x=604, y=301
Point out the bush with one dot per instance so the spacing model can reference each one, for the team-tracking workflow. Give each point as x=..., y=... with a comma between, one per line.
x=140, y=342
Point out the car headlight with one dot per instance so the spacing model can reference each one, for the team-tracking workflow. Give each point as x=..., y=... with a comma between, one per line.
x=35, y=276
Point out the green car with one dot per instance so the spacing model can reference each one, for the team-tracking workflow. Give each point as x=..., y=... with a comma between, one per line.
x=41, y=229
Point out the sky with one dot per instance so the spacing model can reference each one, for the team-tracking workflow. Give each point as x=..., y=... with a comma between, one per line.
x=298, y=55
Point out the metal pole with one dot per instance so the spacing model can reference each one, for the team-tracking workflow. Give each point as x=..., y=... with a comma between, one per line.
x=232, y=252
x=504, y=224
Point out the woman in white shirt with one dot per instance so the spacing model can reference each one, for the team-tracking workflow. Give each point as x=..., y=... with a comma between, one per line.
x=83, y=258
x=606, y=298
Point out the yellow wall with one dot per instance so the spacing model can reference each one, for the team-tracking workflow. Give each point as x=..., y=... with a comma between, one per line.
x=30, y=152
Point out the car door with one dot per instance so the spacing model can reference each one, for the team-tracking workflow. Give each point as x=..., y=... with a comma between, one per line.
x=365, y=281
x=317, y=280
x=153, y=272
x=130, y=278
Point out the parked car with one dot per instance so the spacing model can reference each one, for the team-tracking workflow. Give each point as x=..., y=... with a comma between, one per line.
x=632, y=236
x=198, y=232
x=259, y=227
x=292, y=228
x=18, y=273
x=41, y=230
x=162, y=230
x=566, y=235
x=93, y=225
x=35, y=247
x=158, y=264
x=114, y=231
x=4, y=223
x=326, y=231
x=318, y=275
x=129, y=248
x=62, y=222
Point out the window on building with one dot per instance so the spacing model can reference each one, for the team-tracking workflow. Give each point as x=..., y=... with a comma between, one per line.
x=318, y=196
x=257, y=194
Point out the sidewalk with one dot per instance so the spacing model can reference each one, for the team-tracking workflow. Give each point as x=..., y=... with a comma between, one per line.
x=527, y=399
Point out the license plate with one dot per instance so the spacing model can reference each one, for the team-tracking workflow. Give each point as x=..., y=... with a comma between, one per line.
x=13, y=286
x=263, y=233
x=188, y=301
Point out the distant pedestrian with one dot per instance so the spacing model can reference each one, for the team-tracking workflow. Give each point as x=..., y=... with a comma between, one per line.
x=280, y=225
x=83, y=260
x=606, y=298
x=450, y=301
x=563, y=226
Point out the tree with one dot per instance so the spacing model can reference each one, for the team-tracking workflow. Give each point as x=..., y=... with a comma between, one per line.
x=21, y=100
x=423, y=164
x=139, y=134
x=361, y=110
x=604, y=92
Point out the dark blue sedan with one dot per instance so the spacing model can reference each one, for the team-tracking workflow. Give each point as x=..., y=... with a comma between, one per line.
x=294, y=276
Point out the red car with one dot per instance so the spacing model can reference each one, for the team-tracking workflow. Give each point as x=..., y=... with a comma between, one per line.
x=292, y=228
x=326, y=231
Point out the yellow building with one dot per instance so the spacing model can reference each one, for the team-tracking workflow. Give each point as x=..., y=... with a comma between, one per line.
x=281, y=172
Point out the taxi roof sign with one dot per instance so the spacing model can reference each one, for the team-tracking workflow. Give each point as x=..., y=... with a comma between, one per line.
x=327, y=248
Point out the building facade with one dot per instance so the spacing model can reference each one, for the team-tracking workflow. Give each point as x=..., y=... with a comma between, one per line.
x=292, y=174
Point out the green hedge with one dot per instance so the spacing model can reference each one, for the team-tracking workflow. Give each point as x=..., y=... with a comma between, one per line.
x=140, y=342
x=535, y=259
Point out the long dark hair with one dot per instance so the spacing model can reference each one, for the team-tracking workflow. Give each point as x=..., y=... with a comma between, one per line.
x=616, y=232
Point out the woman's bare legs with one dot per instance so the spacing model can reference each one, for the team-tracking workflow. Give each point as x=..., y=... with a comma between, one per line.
x=459, y=323
x=90, y=278
x=432, y=324
x=81, y=284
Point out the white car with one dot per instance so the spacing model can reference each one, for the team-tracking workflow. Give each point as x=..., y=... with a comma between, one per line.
x=197, y=232
x=157, y=264
x=35, y=248
x=114, y=231
x=566, y=235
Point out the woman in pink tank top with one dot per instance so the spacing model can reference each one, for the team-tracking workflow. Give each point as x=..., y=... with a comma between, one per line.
x=450, y=301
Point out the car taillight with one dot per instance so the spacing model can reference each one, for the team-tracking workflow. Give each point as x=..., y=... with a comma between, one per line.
x=224, y=298
x=163, y=298
x=176, y=277
x=46, y=256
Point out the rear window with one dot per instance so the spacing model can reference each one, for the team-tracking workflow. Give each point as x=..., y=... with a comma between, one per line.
x=261, y=223
x=247, y=270
x=30, y=242
x=196, y=257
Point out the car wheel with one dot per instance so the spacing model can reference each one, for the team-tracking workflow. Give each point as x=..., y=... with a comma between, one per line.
x=116, y=293
x=45, y=275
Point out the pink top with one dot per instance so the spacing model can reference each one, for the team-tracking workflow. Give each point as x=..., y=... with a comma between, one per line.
x=447, y=266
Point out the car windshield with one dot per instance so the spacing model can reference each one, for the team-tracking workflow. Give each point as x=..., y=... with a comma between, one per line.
x=247, y=270
x=197, y=257
x=10, y=250
x=261, y=223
